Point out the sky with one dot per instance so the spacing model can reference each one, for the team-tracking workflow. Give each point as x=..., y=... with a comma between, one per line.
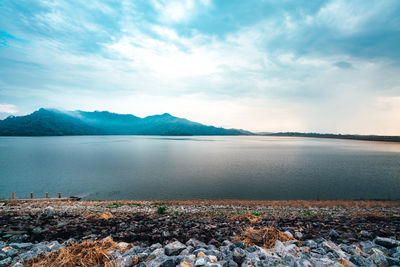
x=264, y=66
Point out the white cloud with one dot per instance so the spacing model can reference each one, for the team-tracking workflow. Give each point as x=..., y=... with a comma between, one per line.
x=178, y=10
x=8, y=108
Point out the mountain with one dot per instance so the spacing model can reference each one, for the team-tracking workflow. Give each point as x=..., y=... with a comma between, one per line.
x=51, y=122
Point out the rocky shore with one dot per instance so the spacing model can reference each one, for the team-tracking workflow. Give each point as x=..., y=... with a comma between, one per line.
x=203, y=233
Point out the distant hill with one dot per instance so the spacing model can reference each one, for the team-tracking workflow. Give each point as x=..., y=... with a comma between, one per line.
x=338, y=136
x=51, y=122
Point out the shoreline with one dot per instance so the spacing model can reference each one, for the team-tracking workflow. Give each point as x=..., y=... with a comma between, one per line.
x=347, y=226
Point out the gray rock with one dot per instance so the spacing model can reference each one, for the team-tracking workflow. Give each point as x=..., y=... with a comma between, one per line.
x=359, y=261
x=53, y=246
x=3, y=255
x=386, y=242
x=10, y=252
x=298, y=235
x=378, y=257
x=239, y=255
x=231, y=263
x=21, y=245
x=5, y=262
x=37, y=230
x=310, y=243
x=239, y=244
x=201, y=261
x=366, y=246
x=69, y=242
x=168, y=263
x=393, y=261
x=26, y=256
x=174, y=248
x=18, y=264
x=142, y=256
x=365, y=234
x=195, y=243
x=125, y=261
x=333, y=234
x=155, y=246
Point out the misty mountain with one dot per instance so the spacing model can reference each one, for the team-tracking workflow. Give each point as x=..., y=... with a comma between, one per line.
x=51, y=122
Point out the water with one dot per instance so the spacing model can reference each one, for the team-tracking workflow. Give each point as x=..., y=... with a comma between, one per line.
x=244, y=167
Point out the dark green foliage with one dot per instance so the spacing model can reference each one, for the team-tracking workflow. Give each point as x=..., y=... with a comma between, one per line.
x=255, y=213
x=161, y=210
x=114, y=205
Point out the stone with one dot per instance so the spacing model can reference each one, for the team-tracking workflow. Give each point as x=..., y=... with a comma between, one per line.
x=21, y=245
x=201, y=261
x=53, y=246
x=386, y=242
x=174, y=248
x=333, y=234
x=155, y=246
x=10, y=251
x=240, y=244
x=366, y=246
x=5, y=262
x=365, y=234
x=359, y=261
x=123, y=244
x=3, y=255
x=310, y=243
x=239, y=255
x=195, y=243
x=37, y=230
x=378, y=257
x=298, y=235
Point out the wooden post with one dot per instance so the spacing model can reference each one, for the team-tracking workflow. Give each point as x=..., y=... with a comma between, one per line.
x=59, y=195
x=13, y=195
x=47, y=195
x=31, y=195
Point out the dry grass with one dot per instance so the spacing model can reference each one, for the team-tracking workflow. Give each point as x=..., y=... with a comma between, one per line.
x=85, y=254
x=250, y=217
x=104, y=215
x=264, y=237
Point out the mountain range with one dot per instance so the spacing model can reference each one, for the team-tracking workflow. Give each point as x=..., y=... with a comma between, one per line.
x=52, y=122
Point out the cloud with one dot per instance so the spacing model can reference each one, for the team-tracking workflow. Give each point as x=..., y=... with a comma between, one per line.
x=283, y=65
x=8, y=108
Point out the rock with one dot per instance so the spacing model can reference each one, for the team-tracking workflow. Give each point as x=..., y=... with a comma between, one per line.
x=53, y=246
x=3, y=255
x=365, y=234
x=123, y=244
x=168, y=263
x=378, y=257
x=174, y=248
x=393, y=261
x=69, y=242
x=310, y=243
x=201, y=261
x=37, y=230
x=5, y=262
x=21, y=245
x=239, y=244
x=231, y=263
x=333, y=234
x=298, y=235
x=386, y=242
x=239, y=255
x=288, y=234
x=26, y=256
x=155, y=246
x=359, y=261
x=195, y=243
x=366, y=246
x=10, y=251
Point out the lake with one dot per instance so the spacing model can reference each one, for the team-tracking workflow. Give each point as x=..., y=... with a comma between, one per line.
x=208, y=167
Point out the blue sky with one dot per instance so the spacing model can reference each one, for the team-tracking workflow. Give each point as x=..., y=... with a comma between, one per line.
x=314, y=66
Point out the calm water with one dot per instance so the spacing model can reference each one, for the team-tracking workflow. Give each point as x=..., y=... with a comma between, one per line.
x=143, y=167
